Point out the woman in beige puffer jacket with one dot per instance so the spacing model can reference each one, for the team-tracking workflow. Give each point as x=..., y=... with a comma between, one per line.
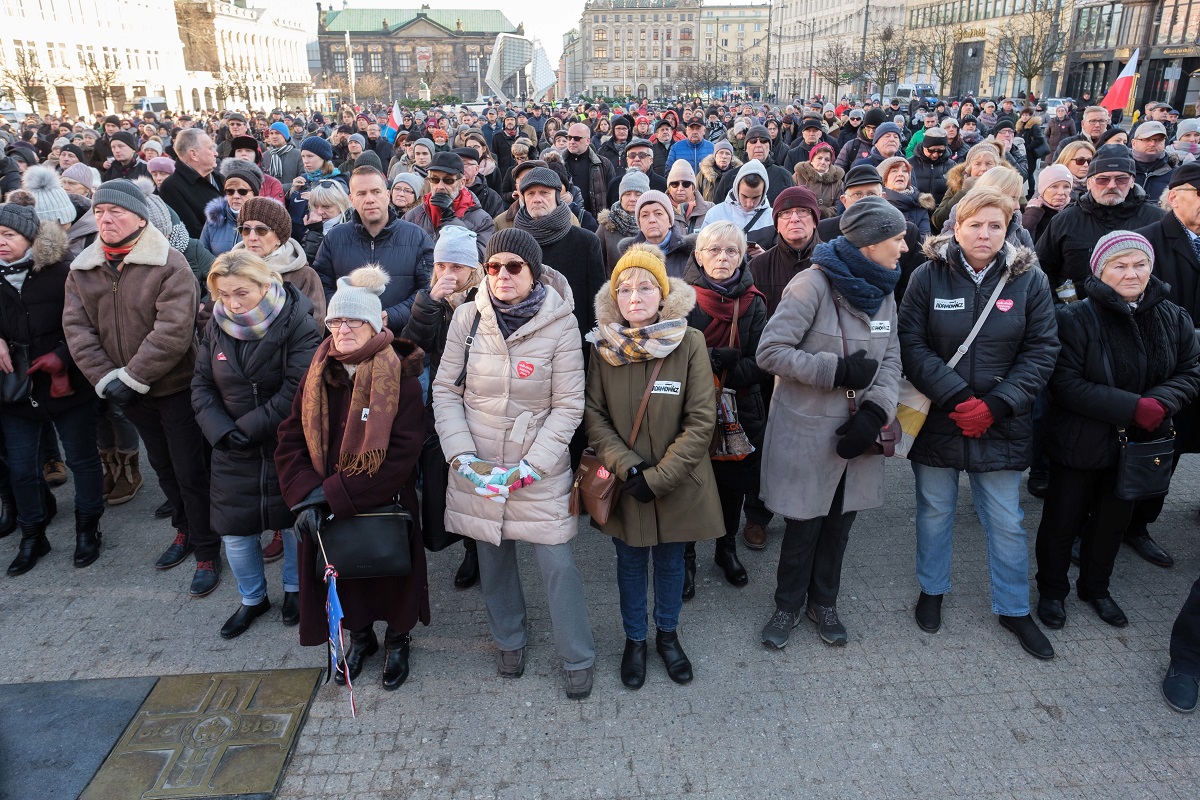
x=517, y=408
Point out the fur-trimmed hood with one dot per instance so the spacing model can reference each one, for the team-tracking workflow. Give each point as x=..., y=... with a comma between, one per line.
x=151, y=249
x=708, y=168
x=605, y=219
x=218, y=212
x=805, y=172
x=679, y=302
x=910, y=199
x=50, y=246
x=1018, y=260
x=412, y=358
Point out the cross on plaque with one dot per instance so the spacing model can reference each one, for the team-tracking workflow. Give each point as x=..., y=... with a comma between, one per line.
x=196, y=741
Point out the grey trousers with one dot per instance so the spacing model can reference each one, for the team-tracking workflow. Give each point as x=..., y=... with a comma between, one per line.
x=501, y=584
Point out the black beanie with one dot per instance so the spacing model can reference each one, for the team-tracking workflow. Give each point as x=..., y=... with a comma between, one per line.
x=515, y=240
x=1112, y=158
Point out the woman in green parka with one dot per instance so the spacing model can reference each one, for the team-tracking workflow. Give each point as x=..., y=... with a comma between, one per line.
x=669, y=495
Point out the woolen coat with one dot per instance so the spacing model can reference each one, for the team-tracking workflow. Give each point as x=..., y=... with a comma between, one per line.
x=522, y=400
x=674, y=436
x=249, y=386
x=801, y=346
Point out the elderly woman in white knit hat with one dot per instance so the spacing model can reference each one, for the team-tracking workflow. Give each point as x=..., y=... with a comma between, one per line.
x=1054, y=184
x=689, y=205
x=1128, y=364
x=351, y=444
x=659, y=225
x=619, y=221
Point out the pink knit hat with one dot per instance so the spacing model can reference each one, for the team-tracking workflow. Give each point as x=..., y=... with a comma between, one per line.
x=1052, y=175
x=1115, y=243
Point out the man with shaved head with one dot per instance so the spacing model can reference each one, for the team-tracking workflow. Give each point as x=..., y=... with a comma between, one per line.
x=590, y=171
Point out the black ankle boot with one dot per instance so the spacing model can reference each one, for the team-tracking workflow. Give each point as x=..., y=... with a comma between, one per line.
x=679, y=668
x=34, y=545
x=726, y=558
x=87, y=538
x=468, y=571
x=8, y=513
x=689, y=571
x=363, y=644
x=395, y=660
x=633, y=664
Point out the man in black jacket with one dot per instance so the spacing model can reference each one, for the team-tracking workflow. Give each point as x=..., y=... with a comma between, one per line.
x=196, y=180
x=639, y=154
x=489, y=199
x=930, y=163
x=758, y=148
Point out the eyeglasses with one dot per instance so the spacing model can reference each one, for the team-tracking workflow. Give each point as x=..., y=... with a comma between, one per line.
x=352, y=324
x=728, y=252
x=513, y=267
x=860, y=195
x=576, y=138
x=257, y=230
x=795, y=213
x=238, y=192
x=1118, y=180
x=1081, y=162
x=626, y=292
x=446, y=181
x=684, y=184
x=638, y=156
x=937, y=151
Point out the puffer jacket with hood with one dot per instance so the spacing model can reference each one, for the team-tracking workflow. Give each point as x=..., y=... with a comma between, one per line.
x=915, y=206
x=759, y=224
x=827, y=187
x=220, y=227
x=678, y=250
x=709, y=176
x=290, y=261
x=778, y=179
x=930, y=176
x=610, y=240
x=1007, y=365
x=522, y=400
x=1155, y=175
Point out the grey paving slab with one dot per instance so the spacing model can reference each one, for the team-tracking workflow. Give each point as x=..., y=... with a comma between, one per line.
x=896, y=713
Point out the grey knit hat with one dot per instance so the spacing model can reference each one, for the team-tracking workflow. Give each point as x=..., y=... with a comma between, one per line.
x=870, y=221
x=51, y=202
x=635, y=181
x=654, y=196
x=243, y=170
x=124, y=194
x=80, y=173
x=359, y=139
x=456, y=244
x=357, y=296
x=22, y=219
x=515, y=240
x=412, y=179
x=428, y=143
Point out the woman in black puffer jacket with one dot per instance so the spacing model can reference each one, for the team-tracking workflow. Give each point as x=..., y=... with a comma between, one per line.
x=725, y=293
x=256, y=349
x=1128, y=363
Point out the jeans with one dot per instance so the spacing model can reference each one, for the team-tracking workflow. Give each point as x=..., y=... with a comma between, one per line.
x=23, y=438
x=810, y=557
x=244, y=554
x=50, y=451
x=1185, y=635
x=291, y=569
x=668, y=586
x=1080, y=500
x=997, y=500
x=115, y=429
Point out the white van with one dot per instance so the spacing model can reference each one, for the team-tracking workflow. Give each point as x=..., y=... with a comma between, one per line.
x=156, y=104
x=913, y=91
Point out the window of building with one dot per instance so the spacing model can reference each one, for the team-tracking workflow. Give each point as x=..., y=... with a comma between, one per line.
x=339, y=62
x=447, y=64
x=358, y=62
x=404, y=61
x=601, y=35
x=741, y=27
x=724, y=43
x=472, y=63
x=376, y=62
x=668, y=70
x=600, y=52
x=685, y=52
x=668, y=53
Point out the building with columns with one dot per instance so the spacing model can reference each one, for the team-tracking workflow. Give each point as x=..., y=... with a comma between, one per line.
x=732, y=44
x=637, y=47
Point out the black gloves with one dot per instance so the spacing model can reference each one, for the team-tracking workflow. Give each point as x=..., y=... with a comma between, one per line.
x=860, y=431
x=855, y=371
x=117, y=393
x=234, y=440
x=309, y=511
x=724, y=358
x=442, y=200
x=635, y=484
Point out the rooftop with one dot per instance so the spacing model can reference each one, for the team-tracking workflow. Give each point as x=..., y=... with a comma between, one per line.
x=372, y=19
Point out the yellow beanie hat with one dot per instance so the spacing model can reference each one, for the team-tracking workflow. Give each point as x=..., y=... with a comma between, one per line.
x=647, y=257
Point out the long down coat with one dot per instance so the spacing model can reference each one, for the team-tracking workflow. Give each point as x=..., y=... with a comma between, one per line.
x=522, y=399
x=674, y=436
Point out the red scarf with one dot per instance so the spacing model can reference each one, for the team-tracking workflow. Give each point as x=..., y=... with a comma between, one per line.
x=115, y=254
x=462, y=204
x=720, y=308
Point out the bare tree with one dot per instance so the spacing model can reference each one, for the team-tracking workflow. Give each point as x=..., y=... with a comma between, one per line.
x=237, y=83
x=887, y=47
x=101, y=79
x=372, y=86
x=935, y=48
x=1030, y=43
x=26, y=79
x=839, y=64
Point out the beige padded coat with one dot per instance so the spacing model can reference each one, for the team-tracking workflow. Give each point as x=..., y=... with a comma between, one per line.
x=522, y=399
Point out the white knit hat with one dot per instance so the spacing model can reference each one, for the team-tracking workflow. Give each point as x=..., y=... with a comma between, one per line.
x=357, y=296
x=51, y=201
x=456, y=244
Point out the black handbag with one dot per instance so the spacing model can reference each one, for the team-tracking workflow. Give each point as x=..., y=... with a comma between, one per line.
x=373, y=544
x=434, y=470
x=16, y=386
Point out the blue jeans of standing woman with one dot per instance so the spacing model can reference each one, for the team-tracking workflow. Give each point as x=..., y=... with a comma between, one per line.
x=997, y=500
x=244, y=554
x=668, y=586
x=23, y=443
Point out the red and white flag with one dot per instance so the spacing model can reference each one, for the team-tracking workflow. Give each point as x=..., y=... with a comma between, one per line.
x=1118, y=95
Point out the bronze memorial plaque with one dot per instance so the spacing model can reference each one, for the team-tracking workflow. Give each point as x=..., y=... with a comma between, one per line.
x=210, y=735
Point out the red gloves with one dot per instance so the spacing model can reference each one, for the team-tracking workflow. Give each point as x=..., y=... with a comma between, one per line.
x=1149, y=414
x=973, y=417
x=52, y=365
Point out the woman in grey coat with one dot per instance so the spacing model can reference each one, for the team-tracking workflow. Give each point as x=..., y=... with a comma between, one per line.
x=833, y=348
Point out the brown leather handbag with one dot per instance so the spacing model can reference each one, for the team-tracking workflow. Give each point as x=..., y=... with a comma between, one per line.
x=596, y=488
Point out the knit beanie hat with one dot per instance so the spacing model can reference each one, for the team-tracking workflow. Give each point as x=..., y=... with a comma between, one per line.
x=243, y=170
x=515, y=240
x=1112, y=158
x=874, y=117
x=1191, y=125
x=269, y=212
x=1052, y=175
x=50, y=201
x=936, y=137
x=318, y=147
x=282, y=129
x=153, y=145
x=160, y=164
x=358, y=139
x=884, y=129
x=124, y=194
x=20, y=218
x=428, y=143
x=654, y=196
x=357, y=296
x=681, y=170
x=795, y=197
x=412, y=179
x=645, y=256
x=1116, y=243
x=872, y=220
x=74, y=150
x=368, y=158
x=721, y=145
x=636, y=181
x=456, y=244
x=888, y=164
x=125, y=137
x=82, y=173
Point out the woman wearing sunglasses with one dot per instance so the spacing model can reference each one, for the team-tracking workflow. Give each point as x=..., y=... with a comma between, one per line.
x=507, y=400
x=242, y=181
x=1077, y=157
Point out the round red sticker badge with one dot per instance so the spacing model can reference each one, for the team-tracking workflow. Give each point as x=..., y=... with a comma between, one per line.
x=602, y=473
x=524, y=369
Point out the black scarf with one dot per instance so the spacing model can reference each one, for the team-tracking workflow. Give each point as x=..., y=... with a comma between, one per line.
x=510, y=317
x=548, y=229
x=1135, y=339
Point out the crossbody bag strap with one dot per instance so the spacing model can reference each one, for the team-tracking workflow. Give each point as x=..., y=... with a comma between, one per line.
x=1108, y=373
x=966, y=345
x=641, y=412
x=470, y=340
x=750, y=225
x=732, y=337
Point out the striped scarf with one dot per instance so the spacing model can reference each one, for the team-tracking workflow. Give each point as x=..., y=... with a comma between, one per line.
x=251, y=325
x=618, y=344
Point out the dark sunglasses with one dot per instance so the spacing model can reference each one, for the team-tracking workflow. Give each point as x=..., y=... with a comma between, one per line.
x=758, y=139
x=1081, y=162
x=446, y=181
x=513, y=267
x=935, y=150
x=328, y=184
x=576, y=138
x=684, y=184
x=238, y=192
x=257, y=230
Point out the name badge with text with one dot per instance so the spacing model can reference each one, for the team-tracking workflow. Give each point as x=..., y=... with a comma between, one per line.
x=667, y=387
x=881, y=326
x=957, y=304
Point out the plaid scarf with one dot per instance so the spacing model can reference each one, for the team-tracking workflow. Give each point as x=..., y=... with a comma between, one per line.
x=251, y=325
x=374, y=402
x=622, y=220
x=618, y=344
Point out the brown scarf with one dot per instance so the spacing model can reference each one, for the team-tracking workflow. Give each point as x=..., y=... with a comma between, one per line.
x=374, y=401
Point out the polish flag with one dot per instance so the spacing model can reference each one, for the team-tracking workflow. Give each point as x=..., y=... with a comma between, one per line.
x=1118, y=96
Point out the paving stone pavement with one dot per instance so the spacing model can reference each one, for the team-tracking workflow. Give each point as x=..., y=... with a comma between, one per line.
x=895, y=714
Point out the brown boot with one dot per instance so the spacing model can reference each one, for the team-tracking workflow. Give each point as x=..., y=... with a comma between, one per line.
x=128, y=478
x=108, y=459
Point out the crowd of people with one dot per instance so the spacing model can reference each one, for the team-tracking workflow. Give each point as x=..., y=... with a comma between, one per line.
x=727, y=304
